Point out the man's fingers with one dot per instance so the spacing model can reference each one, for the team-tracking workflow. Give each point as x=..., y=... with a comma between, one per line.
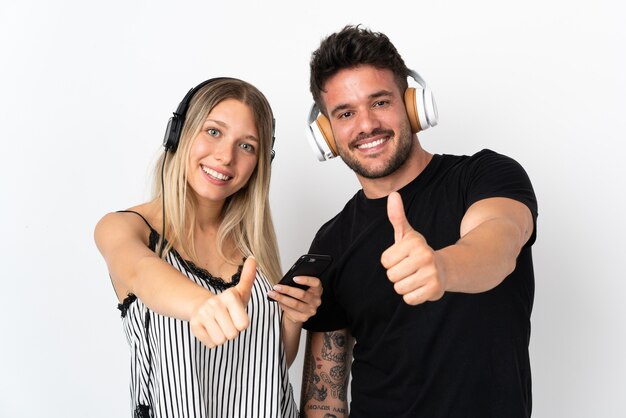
x=400, y=268
x=397, y=217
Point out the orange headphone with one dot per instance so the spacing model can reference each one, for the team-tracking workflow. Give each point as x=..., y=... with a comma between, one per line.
x=420, y=108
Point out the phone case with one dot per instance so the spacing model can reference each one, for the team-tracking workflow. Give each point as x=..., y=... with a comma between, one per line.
x=307, y=265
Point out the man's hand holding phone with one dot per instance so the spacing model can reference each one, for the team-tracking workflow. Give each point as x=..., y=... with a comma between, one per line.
x=299, y=292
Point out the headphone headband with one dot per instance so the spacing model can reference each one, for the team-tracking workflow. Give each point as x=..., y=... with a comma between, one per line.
x=182, y=108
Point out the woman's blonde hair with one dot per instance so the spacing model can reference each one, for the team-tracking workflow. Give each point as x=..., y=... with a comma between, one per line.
x=246, y=214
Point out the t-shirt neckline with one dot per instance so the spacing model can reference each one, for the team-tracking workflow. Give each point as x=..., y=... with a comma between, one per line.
x=414, y=184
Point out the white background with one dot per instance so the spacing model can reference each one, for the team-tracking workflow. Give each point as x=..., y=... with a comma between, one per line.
x=86, y=89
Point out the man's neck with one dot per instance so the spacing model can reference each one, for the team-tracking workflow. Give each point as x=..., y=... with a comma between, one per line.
x=414, y=165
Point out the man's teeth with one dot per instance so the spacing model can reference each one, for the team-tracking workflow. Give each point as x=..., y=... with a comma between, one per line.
x=215, y=174
x=371, y=144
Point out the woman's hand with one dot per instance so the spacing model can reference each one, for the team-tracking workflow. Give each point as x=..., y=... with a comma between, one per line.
x=222, y=317
x=299, y=305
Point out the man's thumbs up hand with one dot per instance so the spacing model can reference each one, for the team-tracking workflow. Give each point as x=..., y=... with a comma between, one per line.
x=412, y=265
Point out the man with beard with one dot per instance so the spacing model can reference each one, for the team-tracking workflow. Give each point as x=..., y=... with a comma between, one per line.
x=427, y=303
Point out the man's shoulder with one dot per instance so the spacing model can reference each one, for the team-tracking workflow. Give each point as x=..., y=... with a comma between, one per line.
x=484, y=153
x=489, y=155
x=488, y=173
x=482, y=159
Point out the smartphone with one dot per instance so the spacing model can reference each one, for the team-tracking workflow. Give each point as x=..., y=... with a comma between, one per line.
x=307, y=265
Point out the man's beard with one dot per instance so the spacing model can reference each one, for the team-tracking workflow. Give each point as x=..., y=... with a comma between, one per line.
x=405, y=145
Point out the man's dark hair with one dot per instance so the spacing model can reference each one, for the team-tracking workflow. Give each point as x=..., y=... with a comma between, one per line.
x=350, y=47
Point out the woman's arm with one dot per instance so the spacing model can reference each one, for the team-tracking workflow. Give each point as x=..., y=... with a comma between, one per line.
x=298, y=305
x=134, y=268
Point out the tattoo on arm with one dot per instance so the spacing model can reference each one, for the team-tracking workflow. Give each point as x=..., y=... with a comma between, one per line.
x=311, y=379
x=326, y=372
x=334, y=351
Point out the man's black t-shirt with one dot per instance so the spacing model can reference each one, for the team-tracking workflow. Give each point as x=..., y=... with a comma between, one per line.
x=465, y=355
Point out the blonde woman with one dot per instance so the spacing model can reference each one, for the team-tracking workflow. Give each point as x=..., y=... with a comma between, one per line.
x=193, y=268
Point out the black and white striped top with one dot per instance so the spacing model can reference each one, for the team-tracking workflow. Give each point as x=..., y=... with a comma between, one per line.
x=178, y=376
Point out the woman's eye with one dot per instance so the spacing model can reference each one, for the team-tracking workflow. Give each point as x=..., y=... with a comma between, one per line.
x=213, y=132
x=247, y=147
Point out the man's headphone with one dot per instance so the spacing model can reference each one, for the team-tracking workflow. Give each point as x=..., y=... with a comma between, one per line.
x=176, y=122
x=420, y=108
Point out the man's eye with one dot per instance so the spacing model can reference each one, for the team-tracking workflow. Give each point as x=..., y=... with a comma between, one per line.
x=345, y=115
x=380, y=103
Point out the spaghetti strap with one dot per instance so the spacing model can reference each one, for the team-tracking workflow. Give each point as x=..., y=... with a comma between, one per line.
x=138, y=214
x=153, y=240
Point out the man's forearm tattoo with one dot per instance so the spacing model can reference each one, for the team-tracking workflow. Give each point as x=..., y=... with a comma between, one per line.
x=335, y=350
x=316, y=381
x=310, y=378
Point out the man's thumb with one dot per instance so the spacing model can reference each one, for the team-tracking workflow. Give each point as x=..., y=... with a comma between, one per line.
x=395, y=212
x=246, y=279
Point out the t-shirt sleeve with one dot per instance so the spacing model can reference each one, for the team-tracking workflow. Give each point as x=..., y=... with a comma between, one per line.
x=495, y=175
x=329, y=316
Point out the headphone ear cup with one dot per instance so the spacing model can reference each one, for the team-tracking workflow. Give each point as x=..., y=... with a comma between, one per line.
x=172, y=134
x=430, y=108
x=412, y=109
x=420, y=105
x=327, y=133
x=320, y=135
x=421, y=109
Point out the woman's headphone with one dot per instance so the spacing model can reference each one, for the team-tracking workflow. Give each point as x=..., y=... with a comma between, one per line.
x=420, y=108
x=175, y=124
